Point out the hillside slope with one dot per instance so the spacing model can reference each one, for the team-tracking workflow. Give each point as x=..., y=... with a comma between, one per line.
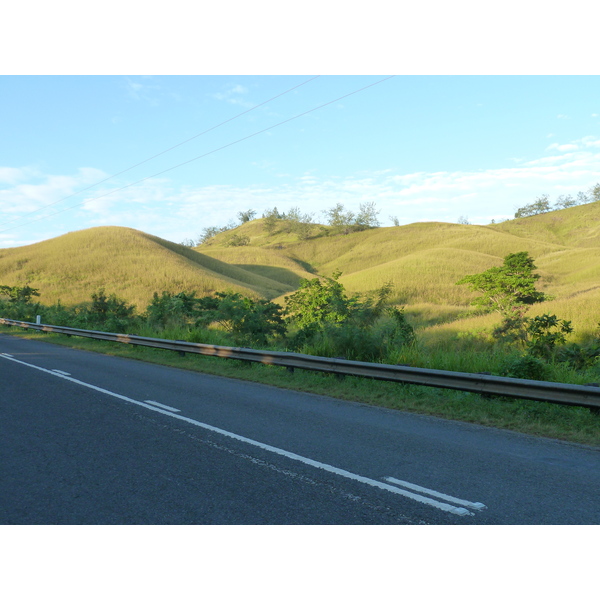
x=422, y=260
x=124, y=261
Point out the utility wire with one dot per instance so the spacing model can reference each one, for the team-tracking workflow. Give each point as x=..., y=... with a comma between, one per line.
x=164, y=151
x=205, y=154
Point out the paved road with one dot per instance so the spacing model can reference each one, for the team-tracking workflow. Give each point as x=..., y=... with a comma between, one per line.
x=93, y=439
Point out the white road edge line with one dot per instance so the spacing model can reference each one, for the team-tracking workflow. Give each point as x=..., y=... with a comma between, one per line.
x=307, y=461
x=162, y=406
x=9, y=355
x=61, y=372
x=418, y=488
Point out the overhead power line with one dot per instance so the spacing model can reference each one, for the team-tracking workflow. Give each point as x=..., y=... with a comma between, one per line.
x=161, y=153
x=203, y=155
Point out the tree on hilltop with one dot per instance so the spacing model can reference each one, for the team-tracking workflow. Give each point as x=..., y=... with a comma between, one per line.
x=541, y=205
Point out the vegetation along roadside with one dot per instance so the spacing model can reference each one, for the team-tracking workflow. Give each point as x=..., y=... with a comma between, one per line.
x=517, y=298
x=320, y=318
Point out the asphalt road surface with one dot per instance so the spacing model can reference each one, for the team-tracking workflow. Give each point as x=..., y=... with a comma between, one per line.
x=93, y=439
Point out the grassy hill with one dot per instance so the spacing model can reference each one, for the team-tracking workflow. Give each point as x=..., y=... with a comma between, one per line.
x=423, y=260
x=127, y=262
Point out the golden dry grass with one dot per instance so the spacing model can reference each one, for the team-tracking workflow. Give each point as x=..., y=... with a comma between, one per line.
x=422, y=260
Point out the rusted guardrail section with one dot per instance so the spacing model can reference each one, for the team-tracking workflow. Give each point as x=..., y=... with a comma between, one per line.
x=560, y=393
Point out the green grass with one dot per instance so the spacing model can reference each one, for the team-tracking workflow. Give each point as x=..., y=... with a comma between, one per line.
x=572, y=424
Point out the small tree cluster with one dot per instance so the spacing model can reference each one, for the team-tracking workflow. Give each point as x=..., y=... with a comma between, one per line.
x=345, y=221
x=246, y=216
x=271, y=217
x=299, y=223
x=210, y=232
x=542, y=203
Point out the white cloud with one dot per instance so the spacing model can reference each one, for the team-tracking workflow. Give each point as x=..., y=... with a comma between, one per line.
x=159, y=207
x=32, y=192
x=12, y=175
x=562, y=147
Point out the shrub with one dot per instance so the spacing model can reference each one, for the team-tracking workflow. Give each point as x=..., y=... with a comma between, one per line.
x=169, y=308
x=544, y=333
x=107, y=313
x=247, y=321
x=524, y=367
x=237, y=240
x=578, y=356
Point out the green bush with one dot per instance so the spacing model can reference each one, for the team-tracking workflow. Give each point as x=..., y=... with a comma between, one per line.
x=247, y=321
x=580, y=357
x=524, y=367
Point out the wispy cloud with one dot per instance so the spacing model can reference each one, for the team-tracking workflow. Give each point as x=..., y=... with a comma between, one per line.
x=562, y=147
x=144, y=92
x=234, y=94
x=29, y=190
x=175, y=212
x=13, y=175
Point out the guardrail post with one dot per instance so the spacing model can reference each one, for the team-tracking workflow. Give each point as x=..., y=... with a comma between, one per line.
x=594, y=409
x=340, y=376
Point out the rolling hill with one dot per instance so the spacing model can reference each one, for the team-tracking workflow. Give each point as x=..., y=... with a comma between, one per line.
x=422, y=260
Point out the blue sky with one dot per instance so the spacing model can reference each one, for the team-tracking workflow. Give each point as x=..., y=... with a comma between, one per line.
x=260, y=106
x=423, y=148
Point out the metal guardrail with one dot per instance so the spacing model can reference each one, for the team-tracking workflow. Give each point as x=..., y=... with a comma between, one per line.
x=559, y=393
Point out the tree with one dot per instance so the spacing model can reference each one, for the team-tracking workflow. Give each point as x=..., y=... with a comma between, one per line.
x=564, y=202
x=506, y=289
x=317, y=302
x=367, y=216
x=300, y=224
x=339, y=218
x=245, y=216
x=210, y=232
x=271, y=217
x=594, y=193
x=541, y=205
